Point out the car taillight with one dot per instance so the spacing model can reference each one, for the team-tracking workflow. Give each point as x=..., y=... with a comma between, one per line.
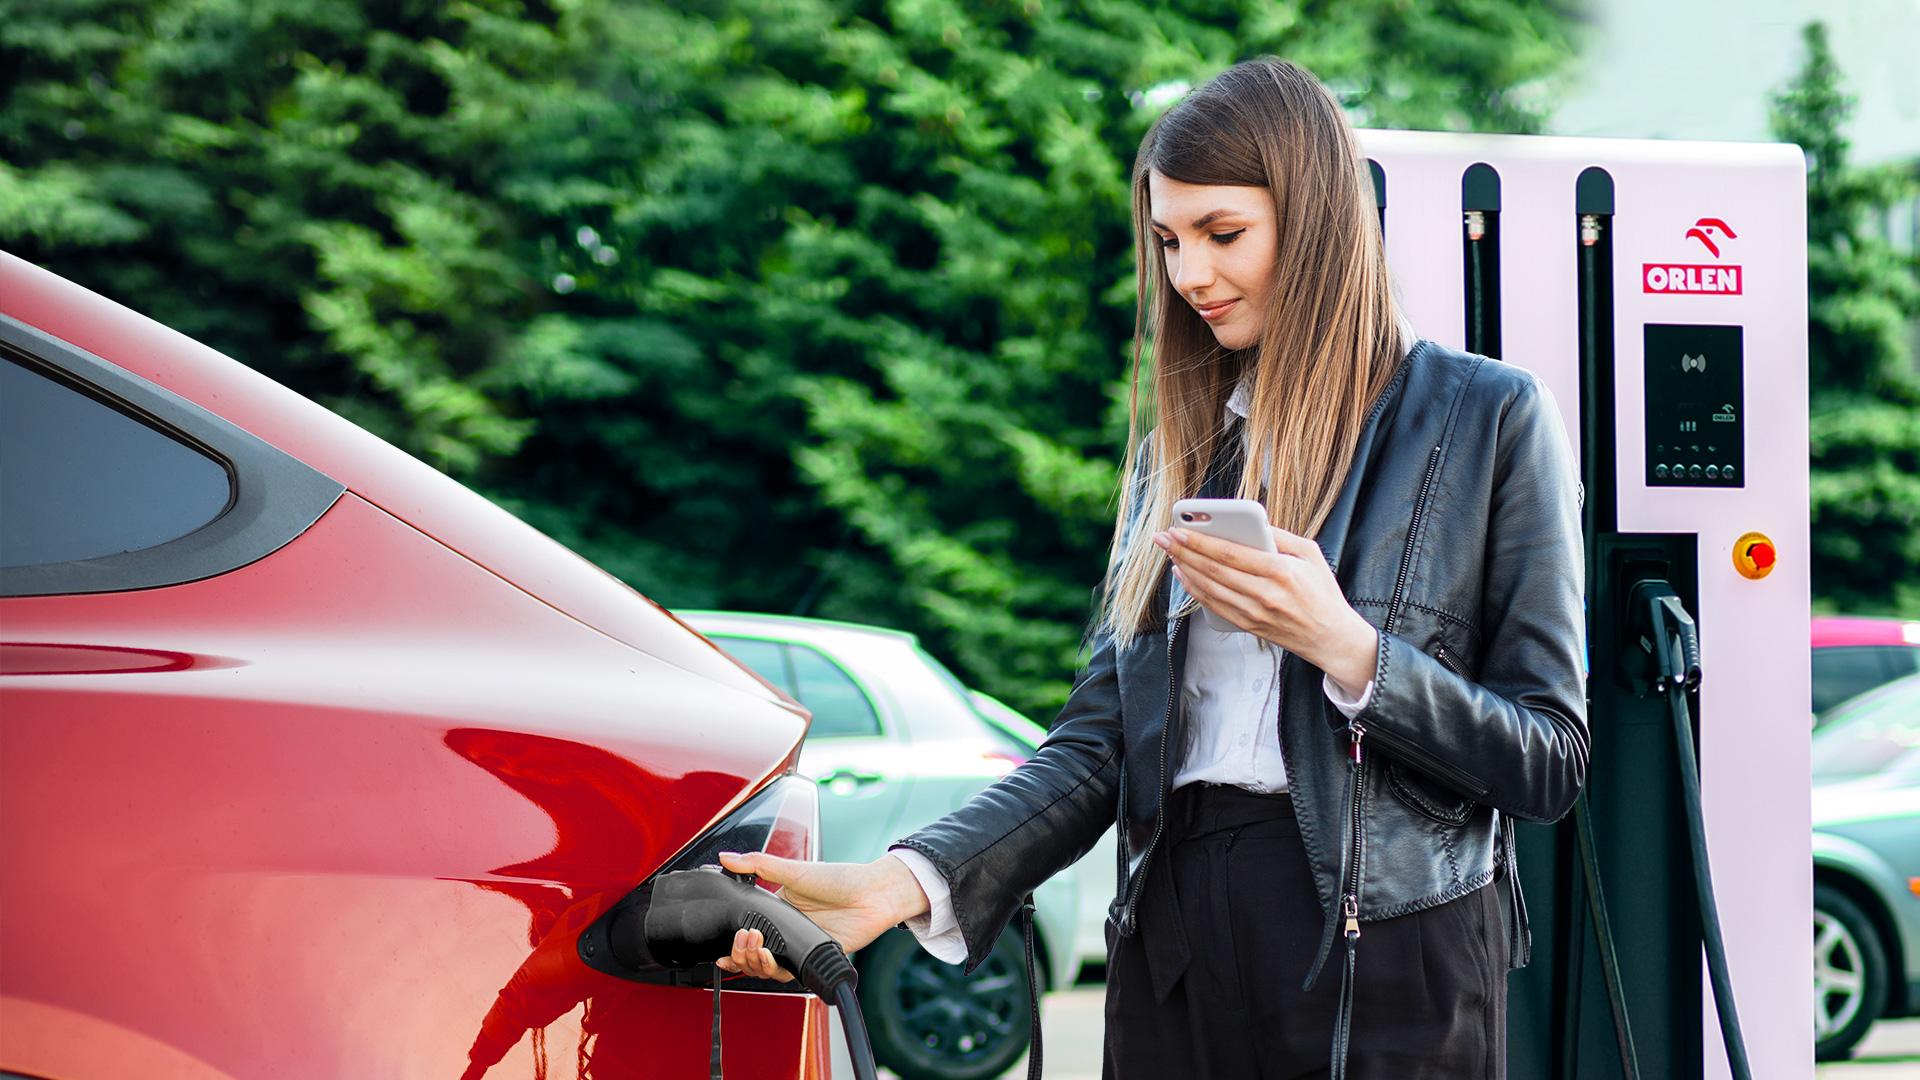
x=782, y=819
x=1004, y=761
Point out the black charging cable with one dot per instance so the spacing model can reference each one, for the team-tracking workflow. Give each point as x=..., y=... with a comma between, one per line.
x=1668, y=634
x=1596, y=900
x=690, y=918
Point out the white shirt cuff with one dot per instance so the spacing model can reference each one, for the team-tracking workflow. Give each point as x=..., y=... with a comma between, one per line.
x=937, y=931
x=1349, y=704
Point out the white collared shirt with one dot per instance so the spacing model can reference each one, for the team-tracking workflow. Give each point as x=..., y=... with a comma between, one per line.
x=1230, y=687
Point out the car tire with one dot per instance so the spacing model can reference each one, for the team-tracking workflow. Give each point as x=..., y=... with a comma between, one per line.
x=929, y=1022
x=1850, y=973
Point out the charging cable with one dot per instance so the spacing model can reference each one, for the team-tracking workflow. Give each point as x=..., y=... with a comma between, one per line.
x=1668, y=634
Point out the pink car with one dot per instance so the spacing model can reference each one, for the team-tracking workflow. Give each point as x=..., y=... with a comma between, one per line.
x=1853, y=654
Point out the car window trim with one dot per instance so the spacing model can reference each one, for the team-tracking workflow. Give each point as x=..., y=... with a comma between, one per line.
x=273, y=496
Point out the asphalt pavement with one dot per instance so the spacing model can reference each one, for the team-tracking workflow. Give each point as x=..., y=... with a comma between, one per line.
x=1071, y=1023
x=1891, y=1049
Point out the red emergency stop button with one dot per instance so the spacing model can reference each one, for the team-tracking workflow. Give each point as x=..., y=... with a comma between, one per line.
x=1754, y=555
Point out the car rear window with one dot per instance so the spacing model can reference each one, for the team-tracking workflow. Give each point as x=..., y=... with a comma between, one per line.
x=840, y=707
x=768, y=659
x=1844, y=671
x=80, y=479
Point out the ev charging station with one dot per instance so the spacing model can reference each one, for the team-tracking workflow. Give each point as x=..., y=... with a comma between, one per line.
x=1658, y=290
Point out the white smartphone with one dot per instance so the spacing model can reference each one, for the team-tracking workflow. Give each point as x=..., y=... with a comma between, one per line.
x=1240, y=521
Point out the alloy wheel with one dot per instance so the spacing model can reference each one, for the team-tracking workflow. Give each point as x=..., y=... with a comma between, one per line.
x=1839, y=975
x=960, y=1017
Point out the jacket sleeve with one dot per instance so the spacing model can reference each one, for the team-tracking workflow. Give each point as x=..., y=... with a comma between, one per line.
x=1516, y=739
x=1048, y=812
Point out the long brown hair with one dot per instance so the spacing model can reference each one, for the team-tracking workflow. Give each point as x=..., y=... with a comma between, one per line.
x=1333, y=338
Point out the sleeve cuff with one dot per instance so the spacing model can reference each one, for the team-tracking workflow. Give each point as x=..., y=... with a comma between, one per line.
x=937, y=931
x=1349, y=703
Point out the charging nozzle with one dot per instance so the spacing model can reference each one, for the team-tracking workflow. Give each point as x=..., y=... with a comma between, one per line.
x=1667, y=638
x=694, y=913
x=690, y=918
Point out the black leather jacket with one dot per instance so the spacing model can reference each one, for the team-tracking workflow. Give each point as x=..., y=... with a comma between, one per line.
x=1457, y=535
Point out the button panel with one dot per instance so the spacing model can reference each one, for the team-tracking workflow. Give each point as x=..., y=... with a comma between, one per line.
x=1695, y=405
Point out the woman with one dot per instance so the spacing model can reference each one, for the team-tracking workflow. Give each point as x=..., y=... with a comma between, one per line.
x=1346, y=766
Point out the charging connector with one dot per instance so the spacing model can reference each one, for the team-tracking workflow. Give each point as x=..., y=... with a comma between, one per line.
x=691, y=918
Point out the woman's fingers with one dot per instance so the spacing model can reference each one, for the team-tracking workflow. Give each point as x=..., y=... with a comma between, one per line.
x=806, y=885
x=853, y=902
x=759, y=864
x=1236, y=600
x=1298, y=546
x=1256, y=588
x=750, y=956
x=1231, y=553
x=1218, y=601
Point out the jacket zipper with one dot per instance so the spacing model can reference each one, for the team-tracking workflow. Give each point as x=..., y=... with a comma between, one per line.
x=1356, y=732
x=1455, y=778
x=1413, y=533
x=1356, y=766
x=1160, y=804
x=1447, y=659
x=1350, y=903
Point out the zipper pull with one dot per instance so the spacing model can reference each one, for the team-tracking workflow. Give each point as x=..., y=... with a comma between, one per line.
x=1350, y=906
x=1355, y=732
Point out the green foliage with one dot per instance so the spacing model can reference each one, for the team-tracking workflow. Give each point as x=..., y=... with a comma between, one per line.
x=1865, y=422
x=800, y=306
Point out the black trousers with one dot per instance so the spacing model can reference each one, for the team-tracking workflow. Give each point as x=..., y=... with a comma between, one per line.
x=1430, y=992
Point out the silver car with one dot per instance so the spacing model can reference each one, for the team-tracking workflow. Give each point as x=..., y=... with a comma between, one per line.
x=896, y=742
x=1866, y=865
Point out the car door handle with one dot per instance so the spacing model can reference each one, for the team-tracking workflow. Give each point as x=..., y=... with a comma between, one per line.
x=849, y=776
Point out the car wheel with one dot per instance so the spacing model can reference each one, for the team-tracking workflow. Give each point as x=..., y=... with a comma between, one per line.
x=930, y=1022
x=1849, y=973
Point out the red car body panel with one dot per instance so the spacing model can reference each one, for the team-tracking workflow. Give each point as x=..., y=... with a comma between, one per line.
x=369, y=466
x=344, y=811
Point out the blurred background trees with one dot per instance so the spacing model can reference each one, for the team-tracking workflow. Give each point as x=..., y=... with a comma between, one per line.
x=800, y=307
x=1865, y=393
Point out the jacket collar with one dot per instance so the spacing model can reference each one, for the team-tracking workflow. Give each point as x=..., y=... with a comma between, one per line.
x=1333, y=532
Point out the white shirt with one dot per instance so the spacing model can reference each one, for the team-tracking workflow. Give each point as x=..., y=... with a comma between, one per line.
x=1230, y=686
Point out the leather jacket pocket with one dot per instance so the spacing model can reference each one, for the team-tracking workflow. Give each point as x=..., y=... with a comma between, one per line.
x=1451, y=660
x=1427, y=800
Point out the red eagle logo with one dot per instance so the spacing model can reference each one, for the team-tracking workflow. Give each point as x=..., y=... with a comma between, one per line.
x=1704, y=229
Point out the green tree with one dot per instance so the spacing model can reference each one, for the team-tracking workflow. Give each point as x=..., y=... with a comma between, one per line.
x=1865, y=410
x=800, y=306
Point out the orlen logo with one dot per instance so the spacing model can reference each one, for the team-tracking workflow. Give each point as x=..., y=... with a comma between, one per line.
x=1714, y=278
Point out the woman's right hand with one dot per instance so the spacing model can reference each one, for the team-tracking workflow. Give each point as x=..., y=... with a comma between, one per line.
x=853, y=902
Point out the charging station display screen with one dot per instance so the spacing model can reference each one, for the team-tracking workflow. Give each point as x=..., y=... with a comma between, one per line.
x=1695, y=409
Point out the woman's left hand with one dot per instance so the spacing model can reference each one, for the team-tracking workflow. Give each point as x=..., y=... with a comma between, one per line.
x=1291, y=598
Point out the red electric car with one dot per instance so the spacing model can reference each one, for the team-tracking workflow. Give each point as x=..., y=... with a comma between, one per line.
x=314, y=763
